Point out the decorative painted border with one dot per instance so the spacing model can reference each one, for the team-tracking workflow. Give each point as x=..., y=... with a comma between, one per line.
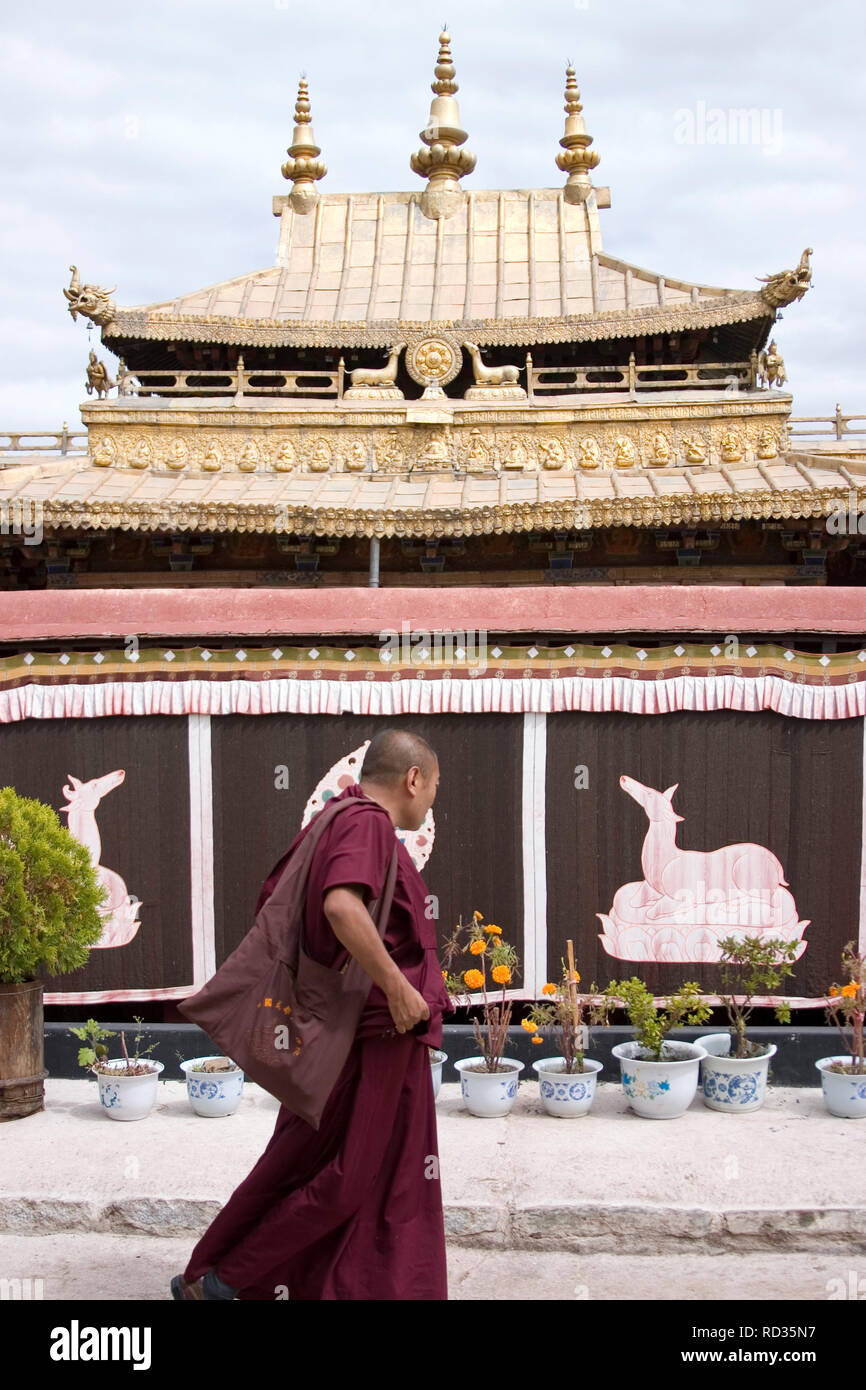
x=411, y=678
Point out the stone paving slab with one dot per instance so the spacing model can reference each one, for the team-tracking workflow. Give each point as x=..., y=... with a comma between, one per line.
x=120, y=1268
x=787, y=1177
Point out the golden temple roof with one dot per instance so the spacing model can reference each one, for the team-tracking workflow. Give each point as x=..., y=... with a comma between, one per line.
x=516, y=266
x=81, y=496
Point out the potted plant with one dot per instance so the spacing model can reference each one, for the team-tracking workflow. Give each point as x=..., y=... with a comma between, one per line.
x=843, y=1078
x=566, y=1083
x=49, y=919
x=488, y=1082
x=659, y=1077
x=734, y=1071
x=214, y=1085
x=127, y=1085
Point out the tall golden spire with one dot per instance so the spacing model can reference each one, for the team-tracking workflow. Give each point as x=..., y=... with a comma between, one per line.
x=577, y=159
x=442, y=163
x=304, y=166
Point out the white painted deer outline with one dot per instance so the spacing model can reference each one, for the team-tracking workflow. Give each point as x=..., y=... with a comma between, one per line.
x=740, y=870
x=689, y=900
x=120, y=911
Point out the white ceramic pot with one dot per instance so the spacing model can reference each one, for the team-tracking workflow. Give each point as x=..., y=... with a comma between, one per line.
x=488, y=1093
x=566, y=1094
x=844, y=1094
x=212, y=1093
x=127, y=1097
x=436, y=1060
x=660, y=1090
x=734, y=1085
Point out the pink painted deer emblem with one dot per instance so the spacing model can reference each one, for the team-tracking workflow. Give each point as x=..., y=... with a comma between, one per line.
x=689, y=899
x=120, y=911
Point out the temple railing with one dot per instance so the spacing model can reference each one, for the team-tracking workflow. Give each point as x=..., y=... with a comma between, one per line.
x=240, y=382
x=838, y=425
x=60, y=441
x=632, y=377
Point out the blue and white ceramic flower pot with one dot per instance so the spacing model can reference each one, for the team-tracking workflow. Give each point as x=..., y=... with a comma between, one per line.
x=734, y=1085
x=566, y=1094
x=212, y=1094
x=844, y=1093
x=127, y=1097
x=437, y=1058
x=660, y=1090
x=488, y=1093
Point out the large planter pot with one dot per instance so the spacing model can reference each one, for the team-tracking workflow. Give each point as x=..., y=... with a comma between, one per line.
x=437, y=1058
x=488, y=1093
x=127, y=1097
x=566, y=1094
x=844, y=1094
x=734, y=1085
x=22, y=1074
x=660, y=1090
x=213, y=1094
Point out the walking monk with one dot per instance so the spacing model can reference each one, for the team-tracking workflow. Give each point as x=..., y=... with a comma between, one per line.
x=353, y=1210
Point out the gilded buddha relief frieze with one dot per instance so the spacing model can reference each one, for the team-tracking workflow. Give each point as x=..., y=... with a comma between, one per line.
x=470, y=442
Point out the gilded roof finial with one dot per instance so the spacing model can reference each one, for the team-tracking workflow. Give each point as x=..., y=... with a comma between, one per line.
x=304, y=166
x=442, y=162
x=577, y=159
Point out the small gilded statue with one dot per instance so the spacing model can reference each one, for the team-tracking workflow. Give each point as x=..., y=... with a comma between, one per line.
x=771, y=367
x=98, y=379
x=589, y=452
x=768, y=444
x=732, y=447
x=696, y=450
x=661, y=454
x=551, y=451
x=320, y=458
x=624, y=455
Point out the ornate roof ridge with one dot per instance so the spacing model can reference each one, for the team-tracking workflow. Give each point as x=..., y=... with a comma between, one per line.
x=520, y=330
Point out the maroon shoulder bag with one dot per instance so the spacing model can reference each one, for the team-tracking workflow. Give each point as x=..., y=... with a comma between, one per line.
x=285, y=1019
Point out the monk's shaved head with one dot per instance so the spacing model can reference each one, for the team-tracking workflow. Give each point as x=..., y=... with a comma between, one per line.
x=392, y=752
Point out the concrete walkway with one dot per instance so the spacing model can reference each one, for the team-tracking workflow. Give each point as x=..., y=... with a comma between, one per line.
x=767, y=1205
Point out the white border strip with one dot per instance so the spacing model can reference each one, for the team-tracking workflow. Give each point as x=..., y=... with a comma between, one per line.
x=862, y=933
x=481, y=695
x=201, y=849
x=534, y=854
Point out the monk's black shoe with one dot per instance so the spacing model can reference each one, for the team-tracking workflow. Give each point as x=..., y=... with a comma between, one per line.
x=207, y=1289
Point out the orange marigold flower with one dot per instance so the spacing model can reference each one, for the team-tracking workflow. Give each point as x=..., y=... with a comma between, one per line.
x=492, y=929
x=833, y=991
x=444, y=974
x=477, y=915
x=528, y=1024
x=477, y=947
x=537, y=1040
x=501, y=974
x=474, y=979
x=850, y=991
x=548, y=988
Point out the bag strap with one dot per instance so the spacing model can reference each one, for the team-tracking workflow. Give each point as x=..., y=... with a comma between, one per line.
x=379, y=908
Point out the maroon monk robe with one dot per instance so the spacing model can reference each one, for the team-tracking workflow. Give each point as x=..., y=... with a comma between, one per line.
x=352, y=1210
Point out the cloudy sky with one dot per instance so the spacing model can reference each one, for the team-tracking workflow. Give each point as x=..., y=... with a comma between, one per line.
x=144, y=143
